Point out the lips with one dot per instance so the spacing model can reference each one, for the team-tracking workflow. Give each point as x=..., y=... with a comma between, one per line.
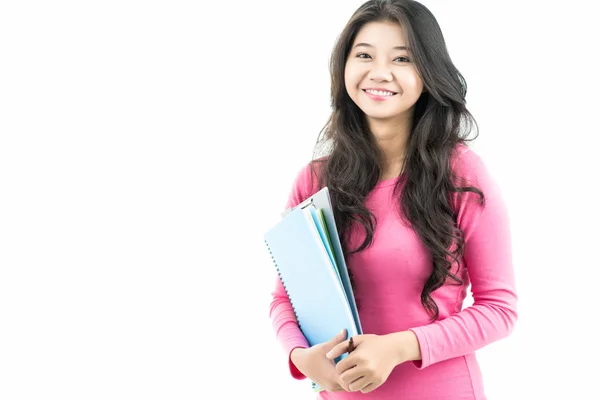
x=379, y=92
x=379, y=95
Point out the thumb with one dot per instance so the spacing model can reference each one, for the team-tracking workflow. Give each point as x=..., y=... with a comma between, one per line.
x=340, y=337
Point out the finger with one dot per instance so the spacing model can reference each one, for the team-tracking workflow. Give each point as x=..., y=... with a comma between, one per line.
x=343, y=385
x=336, y=383
x=337, y=339
x=347, y=363
x=359, y=384
x=369, y=388
x=338, y=350
x=351, y=375
x=332, y=385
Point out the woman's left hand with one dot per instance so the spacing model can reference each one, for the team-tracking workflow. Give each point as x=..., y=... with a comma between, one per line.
x=374, y=357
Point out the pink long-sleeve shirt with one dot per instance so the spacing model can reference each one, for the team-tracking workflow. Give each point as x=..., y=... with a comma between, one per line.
x=389, y=277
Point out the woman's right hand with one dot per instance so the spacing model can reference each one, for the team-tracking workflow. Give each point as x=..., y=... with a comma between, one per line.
x=313, y=363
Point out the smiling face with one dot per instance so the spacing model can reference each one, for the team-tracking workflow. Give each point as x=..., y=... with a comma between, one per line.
x=379, y=75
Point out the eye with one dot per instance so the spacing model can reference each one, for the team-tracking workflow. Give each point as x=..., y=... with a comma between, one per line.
x=363, y=55
x=402, y=59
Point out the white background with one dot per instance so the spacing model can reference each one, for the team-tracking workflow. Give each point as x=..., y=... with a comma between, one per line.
x=146, y=146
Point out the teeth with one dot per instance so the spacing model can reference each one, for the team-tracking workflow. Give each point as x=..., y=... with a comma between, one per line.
x=379, y=92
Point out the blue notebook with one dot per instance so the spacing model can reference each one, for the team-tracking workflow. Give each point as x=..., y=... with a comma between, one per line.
x=322, y=201
x=311, y=279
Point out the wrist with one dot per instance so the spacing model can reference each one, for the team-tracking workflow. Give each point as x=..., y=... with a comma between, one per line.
x=295, y=354
x=406, y=346
x=295, y=363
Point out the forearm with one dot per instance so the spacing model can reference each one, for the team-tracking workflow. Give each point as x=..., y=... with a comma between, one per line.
x=472, y=329
x=286, y=327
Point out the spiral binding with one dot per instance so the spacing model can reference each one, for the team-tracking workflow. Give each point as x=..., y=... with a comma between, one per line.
x=313, y=385
x=282, y=282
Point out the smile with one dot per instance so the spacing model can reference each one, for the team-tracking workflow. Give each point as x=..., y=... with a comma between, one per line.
x=378, y=95
x=379, y=92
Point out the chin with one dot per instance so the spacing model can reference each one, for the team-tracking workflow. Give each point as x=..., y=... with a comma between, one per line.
x=382, y=115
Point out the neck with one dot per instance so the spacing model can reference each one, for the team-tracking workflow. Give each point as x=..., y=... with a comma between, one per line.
x=392, y=140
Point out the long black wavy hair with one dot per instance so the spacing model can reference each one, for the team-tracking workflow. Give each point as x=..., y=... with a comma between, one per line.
x=441, y=121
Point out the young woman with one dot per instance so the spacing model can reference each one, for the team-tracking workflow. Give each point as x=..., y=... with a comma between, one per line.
x=419, y=215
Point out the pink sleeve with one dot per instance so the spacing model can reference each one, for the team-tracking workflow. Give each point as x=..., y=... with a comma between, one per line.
x=282, y=315
x=286, y=327
x=488, y=261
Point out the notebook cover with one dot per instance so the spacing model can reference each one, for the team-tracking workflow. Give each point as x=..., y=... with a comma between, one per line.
x=309, y=277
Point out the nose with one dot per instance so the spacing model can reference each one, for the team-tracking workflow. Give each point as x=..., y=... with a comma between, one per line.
x=381, y=72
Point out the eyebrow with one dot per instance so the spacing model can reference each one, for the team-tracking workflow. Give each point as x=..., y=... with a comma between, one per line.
x=371, y=46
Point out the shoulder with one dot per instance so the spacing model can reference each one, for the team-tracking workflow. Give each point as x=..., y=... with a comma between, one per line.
x=469, y=167
x=475, y=214
x=306, y=182
x=464, y=160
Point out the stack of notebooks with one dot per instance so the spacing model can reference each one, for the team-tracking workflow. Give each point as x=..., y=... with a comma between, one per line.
x=307, y=254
